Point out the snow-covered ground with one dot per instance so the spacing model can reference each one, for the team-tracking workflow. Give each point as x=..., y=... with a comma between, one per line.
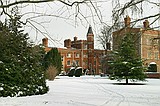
x=91, y=91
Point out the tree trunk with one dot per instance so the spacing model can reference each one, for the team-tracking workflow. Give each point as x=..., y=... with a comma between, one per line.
x=126, y=80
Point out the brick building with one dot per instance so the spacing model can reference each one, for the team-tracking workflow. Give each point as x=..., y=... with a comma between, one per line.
x=147, y=41
x=80, y=53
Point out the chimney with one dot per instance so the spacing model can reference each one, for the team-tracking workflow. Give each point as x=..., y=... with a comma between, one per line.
x=67, y=43
x=127, y=21
x=45, y=42
x=146, y=24
x=75, y=38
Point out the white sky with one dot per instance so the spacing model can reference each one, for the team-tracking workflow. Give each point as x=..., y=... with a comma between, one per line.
x=61, y=28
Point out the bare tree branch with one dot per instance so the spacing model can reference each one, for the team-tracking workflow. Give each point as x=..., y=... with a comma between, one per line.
x=41, y=1
x=71, y=4
x=31, y=16
x=134, y=6
x=24, y=2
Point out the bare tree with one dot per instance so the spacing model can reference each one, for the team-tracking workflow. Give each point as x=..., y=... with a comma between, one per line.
x=120, y=9
x=136, y=8
x=105, y=37
x=66, y=9
x=105, y=40
x=74, y=10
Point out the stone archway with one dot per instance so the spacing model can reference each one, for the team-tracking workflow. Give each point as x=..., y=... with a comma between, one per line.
x=152, y=67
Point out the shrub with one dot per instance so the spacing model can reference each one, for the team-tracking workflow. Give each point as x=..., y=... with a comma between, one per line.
x=51, y=72
x=71, y=72
x=53, y=58
x=78, y=72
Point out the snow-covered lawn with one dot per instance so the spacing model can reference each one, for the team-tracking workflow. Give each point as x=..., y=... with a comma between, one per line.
x=91, y=91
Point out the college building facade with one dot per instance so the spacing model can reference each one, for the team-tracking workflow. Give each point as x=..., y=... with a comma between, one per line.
x=80, y=53
x=147, y=42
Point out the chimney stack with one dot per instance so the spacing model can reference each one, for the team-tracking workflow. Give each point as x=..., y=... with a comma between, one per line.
x=146, y=24
x=127, y=21
x=75, y=38
x=67, y=43
x=45, y=42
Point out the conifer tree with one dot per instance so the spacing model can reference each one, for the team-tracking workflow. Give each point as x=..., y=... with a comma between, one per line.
x=21, y=69
x=127, y=64
x=53, y=57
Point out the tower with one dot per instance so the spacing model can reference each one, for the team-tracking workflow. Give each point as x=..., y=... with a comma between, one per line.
x=90, y=48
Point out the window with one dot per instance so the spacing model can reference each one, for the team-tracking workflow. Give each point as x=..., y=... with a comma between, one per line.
x=155, y=42
x=85, y=46
x=95, y=62
x=85, y=62
x=68, y=63
x=85, y=55
x=68, y=55
x=77, y=55
x=148, y=41
x=152, y=67
x=149, y=54
x=77, y=62
x=156, y=55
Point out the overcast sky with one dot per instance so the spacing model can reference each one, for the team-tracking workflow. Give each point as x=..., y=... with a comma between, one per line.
x=60, y=28
x=66, y=25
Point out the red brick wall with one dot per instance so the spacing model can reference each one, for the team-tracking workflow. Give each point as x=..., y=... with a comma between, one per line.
x=143, y=35
x=153, y=75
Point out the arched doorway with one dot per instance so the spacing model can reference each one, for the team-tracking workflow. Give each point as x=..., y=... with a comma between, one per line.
x=152, y=67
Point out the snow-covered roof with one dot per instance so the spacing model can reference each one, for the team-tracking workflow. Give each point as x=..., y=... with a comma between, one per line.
x=79, y=68
x=72, y=68
x=152, y=63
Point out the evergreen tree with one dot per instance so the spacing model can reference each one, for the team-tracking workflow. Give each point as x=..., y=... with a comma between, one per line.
x=21, y=69
x=127, y=64
x=53, y=57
